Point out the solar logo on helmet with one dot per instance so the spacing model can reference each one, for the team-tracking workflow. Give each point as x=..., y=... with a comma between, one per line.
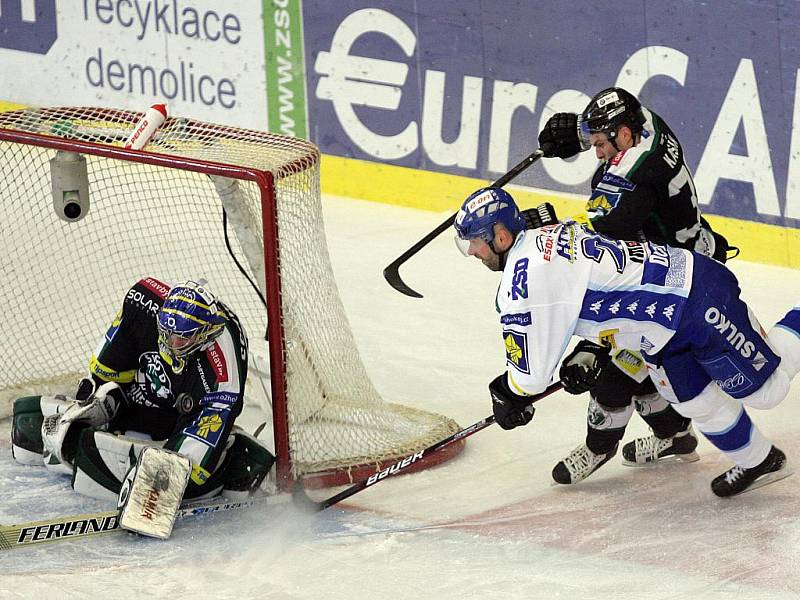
x=516, y=350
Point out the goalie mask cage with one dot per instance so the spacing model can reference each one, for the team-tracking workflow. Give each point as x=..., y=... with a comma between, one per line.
x=159, y=213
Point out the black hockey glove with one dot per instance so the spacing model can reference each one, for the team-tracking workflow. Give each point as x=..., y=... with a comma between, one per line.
x=542, y=215
x=510, y=410
x=86, y=389
x=560, y=136
x=581, y=369
x=89, y=392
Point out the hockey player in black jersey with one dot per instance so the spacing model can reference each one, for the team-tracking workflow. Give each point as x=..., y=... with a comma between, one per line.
x=165, y=386
x=642, y=191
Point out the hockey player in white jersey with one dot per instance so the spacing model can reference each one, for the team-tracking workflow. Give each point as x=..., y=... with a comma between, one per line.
x=704, y=348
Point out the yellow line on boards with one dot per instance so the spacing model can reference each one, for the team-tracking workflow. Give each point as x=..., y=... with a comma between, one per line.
x=440, y=192
x=4, y=106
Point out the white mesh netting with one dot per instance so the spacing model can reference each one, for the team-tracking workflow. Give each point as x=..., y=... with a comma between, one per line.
x=63, y=282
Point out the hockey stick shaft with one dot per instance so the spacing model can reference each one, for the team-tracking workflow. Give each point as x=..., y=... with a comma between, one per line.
x=301, y=498
x=392, y=272
x=34, y=533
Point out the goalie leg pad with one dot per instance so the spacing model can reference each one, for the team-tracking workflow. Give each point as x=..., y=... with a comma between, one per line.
x=61, y=430
x=152, y=492
x=250, y=463
x=51, y=405
x=26, y=431
x=102, y=461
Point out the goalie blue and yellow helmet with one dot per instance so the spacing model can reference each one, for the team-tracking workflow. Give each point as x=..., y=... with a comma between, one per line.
x=189, y=320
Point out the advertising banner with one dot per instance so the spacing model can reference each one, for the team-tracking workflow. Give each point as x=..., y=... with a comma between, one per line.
x=447, y=88
x=204, y=58
x=464, y=87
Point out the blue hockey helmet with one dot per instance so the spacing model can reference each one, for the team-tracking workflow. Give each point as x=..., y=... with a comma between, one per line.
x=481, y=210
x=189, y=320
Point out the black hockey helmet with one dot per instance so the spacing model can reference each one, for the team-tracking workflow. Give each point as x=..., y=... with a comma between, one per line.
x=608, y=110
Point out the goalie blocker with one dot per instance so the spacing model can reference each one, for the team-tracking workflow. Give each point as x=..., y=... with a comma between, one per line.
x=152, y=492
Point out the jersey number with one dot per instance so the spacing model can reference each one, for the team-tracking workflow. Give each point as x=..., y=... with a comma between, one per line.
x=519, y=283
x=595, y=247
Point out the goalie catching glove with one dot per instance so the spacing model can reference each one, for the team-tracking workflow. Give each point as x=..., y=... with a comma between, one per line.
x=510, y=409
x=561, y=136
x=581, y=369
x=93, y=407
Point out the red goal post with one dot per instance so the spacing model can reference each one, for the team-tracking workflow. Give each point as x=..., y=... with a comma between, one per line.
x=158, y=213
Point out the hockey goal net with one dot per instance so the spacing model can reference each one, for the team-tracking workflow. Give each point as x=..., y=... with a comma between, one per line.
x=159, y=213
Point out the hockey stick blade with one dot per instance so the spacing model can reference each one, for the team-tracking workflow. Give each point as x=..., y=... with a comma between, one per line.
x=59, y=529
x=392, y=272
x=304, y=502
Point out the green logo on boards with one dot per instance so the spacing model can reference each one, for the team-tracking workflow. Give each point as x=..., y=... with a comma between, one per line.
x=285, y=66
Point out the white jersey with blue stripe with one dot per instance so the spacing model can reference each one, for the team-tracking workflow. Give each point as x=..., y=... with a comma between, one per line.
x=565, y=280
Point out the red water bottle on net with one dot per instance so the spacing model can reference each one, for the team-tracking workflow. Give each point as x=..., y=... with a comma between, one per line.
x=146, y=127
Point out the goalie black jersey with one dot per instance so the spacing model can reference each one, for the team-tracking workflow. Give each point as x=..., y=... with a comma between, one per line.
x=647, y=193
x=195, y=406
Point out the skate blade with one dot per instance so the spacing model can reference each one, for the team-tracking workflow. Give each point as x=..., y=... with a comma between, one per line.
x=768, y=478
x=672, y=458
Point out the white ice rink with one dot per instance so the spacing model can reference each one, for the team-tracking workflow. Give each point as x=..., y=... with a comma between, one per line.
x=488, y=524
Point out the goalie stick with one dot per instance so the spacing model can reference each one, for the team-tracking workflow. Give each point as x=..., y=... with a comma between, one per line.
x=59, y=529
x=302, y=499
x=392, y=272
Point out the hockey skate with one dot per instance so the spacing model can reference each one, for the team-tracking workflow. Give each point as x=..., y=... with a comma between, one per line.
x=738, y=479
x=580, y=463
x=649, y=450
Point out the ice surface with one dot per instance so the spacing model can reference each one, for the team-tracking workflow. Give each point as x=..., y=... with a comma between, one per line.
x=489, y=524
